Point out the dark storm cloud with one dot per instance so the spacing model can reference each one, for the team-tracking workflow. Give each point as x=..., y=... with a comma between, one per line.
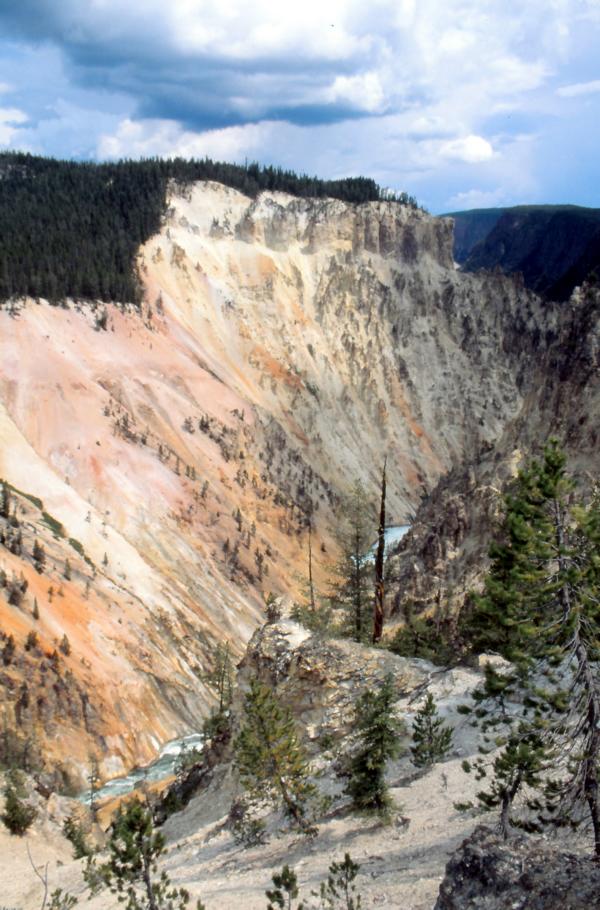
x=201, y=86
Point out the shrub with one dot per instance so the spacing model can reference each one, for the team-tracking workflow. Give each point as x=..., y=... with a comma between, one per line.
x=17, y=816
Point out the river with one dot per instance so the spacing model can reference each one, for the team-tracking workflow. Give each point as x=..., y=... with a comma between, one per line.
x=162, y=766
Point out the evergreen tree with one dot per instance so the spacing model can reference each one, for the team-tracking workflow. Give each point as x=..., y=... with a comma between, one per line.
x=17, y=815
x=312, y=611
x=339, y=891
x=285, y=890
x=93, y=781
x=379, y=733
x=352, y=588
x=521, y=764
x=39, y=556
x=220, y=677
x=73, y=831
x=5, y=500
x=8, y=652
x=540, y=610
x=431, y=739
x=270, y=758
x=131, y=871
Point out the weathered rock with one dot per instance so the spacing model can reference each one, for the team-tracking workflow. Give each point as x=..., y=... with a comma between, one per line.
x=444, y=556
x=320, y=679
x=487, y=873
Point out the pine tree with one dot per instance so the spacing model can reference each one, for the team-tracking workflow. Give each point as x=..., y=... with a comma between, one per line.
x=379, y=564
x=311, y=585
x=520, y=765
x=93, y=780
x=220, y=677
x=131, y=871
x=74, y=832
x=379, y=733
x=285, y=890
x=39, y=556
x=540, y=610
x=8, y=652
x=432, y=740
x=5, y=500
x=339, y=890
x=270, y=758
x=352, y=588
x=312, y=611
x=17, y=815
x=220, y=680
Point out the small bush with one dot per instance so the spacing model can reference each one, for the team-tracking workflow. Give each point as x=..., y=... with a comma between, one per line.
x=73, y=831
x=55, y=526
x=17, y=816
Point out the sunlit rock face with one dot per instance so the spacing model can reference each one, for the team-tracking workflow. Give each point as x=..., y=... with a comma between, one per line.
x=283, y=347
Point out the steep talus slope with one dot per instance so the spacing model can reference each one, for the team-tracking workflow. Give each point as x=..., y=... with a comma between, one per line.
x=444, y=556
x=283, y=346
x=350, y=327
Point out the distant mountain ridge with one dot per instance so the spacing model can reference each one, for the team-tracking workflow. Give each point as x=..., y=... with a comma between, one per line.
x=555, y=247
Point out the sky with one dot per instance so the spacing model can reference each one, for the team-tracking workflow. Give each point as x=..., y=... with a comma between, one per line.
x=461, y=103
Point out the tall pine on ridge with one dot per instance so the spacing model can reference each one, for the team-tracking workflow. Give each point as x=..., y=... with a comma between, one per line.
x=540, y=609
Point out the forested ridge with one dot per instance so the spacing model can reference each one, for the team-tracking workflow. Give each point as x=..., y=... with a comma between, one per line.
x=72, y=229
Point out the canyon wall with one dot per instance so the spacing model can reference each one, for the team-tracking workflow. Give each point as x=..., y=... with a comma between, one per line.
x=174, y=454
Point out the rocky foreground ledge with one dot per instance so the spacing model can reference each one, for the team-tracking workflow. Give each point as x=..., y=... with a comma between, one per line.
x=487, y=873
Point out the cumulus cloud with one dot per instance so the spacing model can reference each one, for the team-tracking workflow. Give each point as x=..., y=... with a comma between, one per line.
x=363, y=91
x=471, y=149
x=212, y=65
x=10, y=121
x=428, y=95
x=167, y=139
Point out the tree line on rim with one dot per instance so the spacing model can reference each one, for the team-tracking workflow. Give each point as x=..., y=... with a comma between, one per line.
x=72, y=229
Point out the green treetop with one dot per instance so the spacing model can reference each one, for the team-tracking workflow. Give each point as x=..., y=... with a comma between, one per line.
x=431, y=739
x=270, y=758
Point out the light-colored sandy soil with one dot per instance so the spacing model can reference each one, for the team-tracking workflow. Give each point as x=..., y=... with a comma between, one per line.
x=401, y=865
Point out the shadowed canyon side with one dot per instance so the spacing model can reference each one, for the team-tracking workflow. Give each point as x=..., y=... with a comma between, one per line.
x=445, y=554
x=172, y=456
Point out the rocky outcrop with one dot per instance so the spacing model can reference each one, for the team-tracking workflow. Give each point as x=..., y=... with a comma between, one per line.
x=320, y=679
x=487, y=873
x=277, y=221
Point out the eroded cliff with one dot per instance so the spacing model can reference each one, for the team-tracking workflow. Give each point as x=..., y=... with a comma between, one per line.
x=283, y=346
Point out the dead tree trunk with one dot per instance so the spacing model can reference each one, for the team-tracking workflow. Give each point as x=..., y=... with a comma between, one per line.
x=379, y=564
